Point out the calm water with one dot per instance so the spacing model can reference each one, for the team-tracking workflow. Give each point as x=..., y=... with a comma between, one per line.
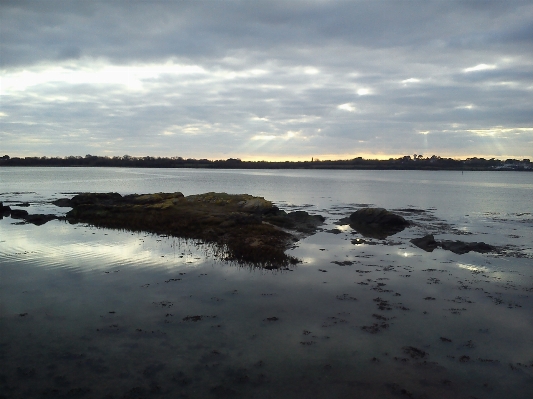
x=97, y=313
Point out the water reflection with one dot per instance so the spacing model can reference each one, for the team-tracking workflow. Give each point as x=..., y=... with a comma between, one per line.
x=92, y=312
x=59, y=243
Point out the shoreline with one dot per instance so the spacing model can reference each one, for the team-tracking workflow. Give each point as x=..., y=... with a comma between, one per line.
x=433, y=163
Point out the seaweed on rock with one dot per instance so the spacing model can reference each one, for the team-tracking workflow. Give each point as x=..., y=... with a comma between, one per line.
x=250, y=229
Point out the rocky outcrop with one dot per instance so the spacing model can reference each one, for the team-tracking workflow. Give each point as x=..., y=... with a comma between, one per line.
x=428, y=244
x=249, y=229
x=376, y=222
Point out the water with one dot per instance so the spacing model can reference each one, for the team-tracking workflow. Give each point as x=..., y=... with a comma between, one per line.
x=96, y=313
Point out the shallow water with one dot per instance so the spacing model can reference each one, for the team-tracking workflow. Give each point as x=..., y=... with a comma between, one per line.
x=89, y=312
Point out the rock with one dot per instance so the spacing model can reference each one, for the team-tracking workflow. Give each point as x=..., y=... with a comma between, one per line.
x=259, y=205
x=36, y=219
x=460, y=247
x=377, y=222
x=4, y=209
x=63, y=202
x=146, y=199
x=298, y=220
x=379, y=216
x=19, y=213
x=427, y=243
x=246, y=227
x=95, y=198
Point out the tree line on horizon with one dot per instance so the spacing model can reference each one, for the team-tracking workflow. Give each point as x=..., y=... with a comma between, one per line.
x=406, y=162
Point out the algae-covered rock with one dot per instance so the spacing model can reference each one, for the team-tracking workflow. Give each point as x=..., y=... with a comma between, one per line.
x=250, y=229
x=259, y=205
x=145, y=199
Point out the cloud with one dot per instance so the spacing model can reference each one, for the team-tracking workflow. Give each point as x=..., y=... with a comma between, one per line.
x=220, y=79
x=479, y=67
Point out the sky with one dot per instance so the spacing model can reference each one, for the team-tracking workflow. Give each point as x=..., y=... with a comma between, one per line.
x=267, y=80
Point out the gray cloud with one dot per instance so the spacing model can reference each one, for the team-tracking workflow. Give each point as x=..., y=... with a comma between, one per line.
x=266, y=79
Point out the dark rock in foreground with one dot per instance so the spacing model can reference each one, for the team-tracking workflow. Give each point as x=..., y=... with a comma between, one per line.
x=376, y=222
x=428, y=244
x=249, y=229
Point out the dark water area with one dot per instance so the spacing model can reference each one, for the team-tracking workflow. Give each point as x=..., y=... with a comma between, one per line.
x=98, y=313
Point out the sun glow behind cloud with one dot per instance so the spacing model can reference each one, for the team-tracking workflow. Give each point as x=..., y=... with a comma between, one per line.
x=131, y=77
x=479, y=67
x=500, y=131
x=347, y=107
x=269, y=137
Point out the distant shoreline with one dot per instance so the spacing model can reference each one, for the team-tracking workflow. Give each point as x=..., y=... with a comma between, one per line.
x=403, y=163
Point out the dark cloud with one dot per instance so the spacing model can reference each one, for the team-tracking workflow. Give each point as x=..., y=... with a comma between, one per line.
x=139, y=31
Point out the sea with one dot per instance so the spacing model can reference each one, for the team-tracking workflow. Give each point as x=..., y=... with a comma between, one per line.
x=88, y=312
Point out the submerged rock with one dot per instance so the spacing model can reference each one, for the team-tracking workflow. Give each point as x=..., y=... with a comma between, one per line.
x=428, y=244
x=250, y=229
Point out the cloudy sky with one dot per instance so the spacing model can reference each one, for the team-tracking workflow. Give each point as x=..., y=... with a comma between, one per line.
x=267, y=79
